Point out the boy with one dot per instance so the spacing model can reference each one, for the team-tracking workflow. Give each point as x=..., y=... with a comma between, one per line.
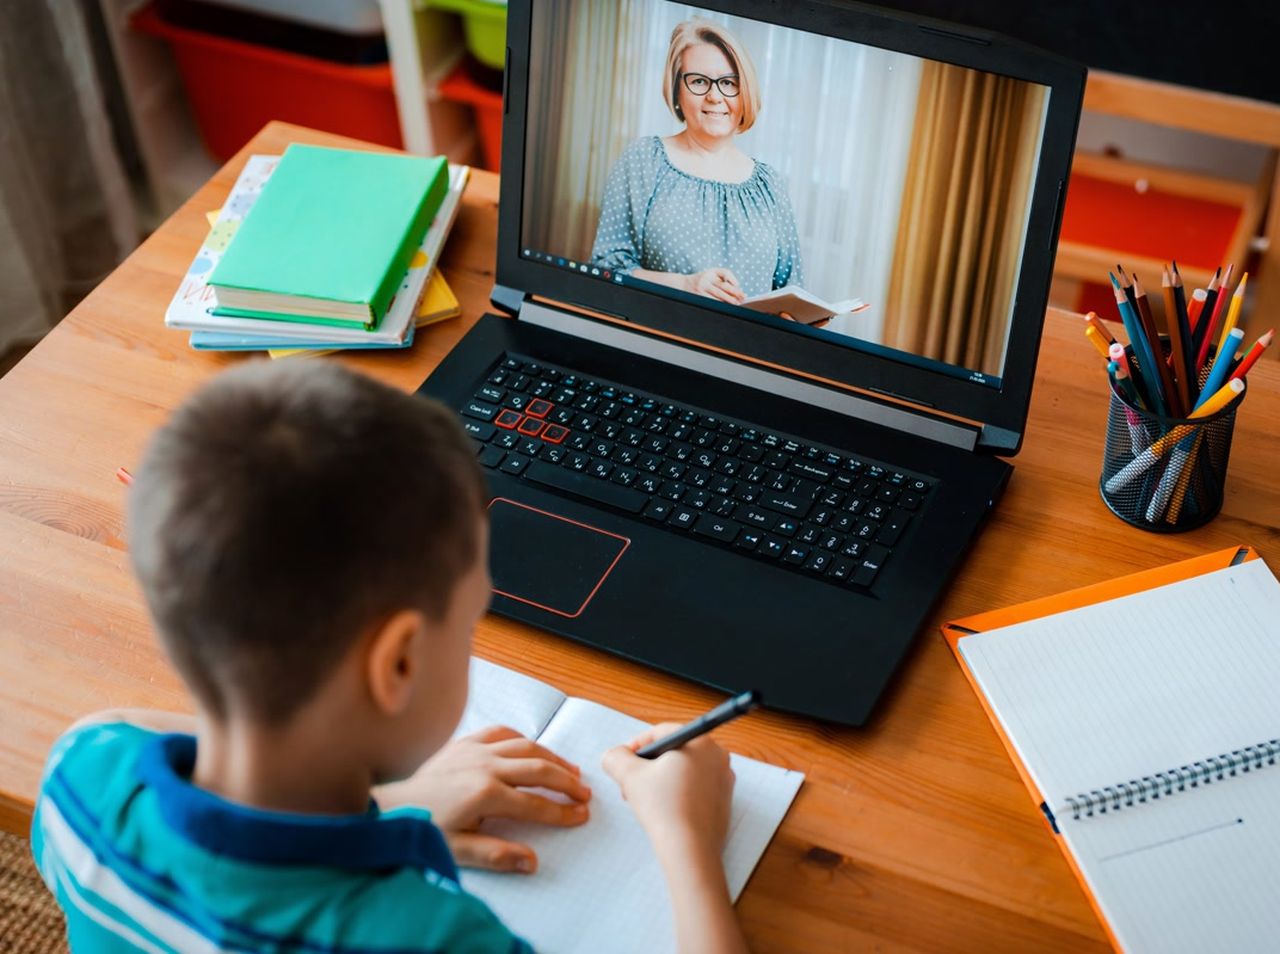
x=312, y=548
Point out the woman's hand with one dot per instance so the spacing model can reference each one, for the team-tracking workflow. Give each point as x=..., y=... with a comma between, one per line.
x=484, y=776
x=718, y=283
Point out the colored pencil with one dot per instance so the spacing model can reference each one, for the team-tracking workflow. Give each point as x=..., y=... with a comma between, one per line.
x=1096, y=322
x=1145, y=378
x=1254, y=354
x=1233, y=310
x=1097, y=340
x=1187, y=372
x=1177, y=407
x=1210, y=299
x=1194, y=308
x=1211, y=323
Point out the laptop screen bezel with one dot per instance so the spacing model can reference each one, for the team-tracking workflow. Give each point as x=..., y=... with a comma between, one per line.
x=1004, y=407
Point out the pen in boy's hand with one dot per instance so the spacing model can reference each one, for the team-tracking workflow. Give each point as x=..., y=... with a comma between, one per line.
x=124, y=476
x=727, y=710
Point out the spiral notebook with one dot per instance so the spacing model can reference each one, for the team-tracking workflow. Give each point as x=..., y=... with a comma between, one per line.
x=1144, y=716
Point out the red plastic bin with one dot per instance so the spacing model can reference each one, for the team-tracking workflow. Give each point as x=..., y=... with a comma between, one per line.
x=236, y=88
x=459, y=87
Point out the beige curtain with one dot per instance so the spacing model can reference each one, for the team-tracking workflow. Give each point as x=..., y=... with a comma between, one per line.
x=582, y=103
x=964, y=212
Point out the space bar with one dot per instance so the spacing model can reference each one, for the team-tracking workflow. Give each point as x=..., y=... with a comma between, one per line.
x=631, y=501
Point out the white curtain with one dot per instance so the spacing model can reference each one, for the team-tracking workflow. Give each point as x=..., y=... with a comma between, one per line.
x=66, y=209
x=836, y=122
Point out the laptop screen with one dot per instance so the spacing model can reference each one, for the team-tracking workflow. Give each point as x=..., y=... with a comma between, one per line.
x=868, y=199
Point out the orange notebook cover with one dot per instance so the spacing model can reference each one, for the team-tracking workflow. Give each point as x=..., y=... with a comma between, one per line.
x=957, y=629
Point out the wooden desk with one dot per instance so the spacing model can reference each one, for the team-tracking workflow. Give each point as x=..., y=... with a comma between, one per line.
x=914, y=834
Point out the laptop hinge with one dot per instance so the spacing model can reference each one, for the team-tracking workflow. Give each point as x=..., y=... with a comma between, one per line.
x=998, y=440
x=955, y=433
x=507, y=299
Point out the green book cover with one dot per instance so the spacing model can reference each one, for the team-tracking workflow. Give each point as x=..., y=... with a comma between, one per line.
x=334, y=225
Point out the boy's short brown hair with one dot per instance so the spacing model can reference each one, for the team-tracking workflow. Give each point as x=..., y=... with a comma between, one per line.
x=284, y=509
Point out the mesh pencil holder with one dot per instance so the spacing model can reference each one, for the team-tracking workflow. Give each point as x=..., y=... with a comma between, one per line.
x=1165, y=474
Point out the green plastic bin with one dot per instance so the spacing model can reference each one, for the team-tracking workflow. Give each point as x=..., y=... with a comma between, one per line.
x=484, y=23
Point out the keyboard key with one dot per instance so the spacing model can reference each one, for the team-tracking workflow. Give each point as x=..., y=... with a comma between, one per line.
x=514, y=464
x=554, y=454
x=673, y=490
x=482, y=411
x=563, y=415
x=832, y=542
x=795, y=554
x=756, y=517
x=813, y=470
x=625, y=455
x=658, y=510
x=909, y=501
x=786, y=526
x=555, y=433
x=917, y=486
x=517, y=401
x=491, y=456
x=538, y=408
x=579, y=462
x=531, y=427
x=852, y=549
x=819, y=561
x=749, y=539
x=600, y=469
x=623, y=498
x=508, y=418
x=840, y=569
x=648, y=483
x=792, y=505
x=723, y=506
x=498, y=377
x=507, y=440
x=773, y=547
x=625, y=476
x=529, y=447
x=888, y=494
x=511, y=364
x=698, y=499
x=810, y=535
x=491, y=394
x=481, y=432
x=892, y=529
x=865, y=573
x=683, y=518
x=717, y=528
x=600, y=448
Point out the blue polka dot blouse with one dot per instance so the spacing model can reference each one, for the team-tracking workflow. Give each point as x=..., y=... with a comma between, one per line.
x=657, y=217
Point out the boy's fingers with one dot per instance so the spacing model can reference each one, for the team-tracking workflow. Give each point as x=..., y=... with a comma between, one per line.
x=539, y=773
x=652, y=734
x=522, y=748
x=495, y=733
x=474, y=850
x=617, y=761
x=526, y=806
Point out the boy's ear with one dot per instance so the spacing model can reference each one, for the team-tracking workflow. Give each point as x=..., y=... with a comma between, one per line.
x=390, y=666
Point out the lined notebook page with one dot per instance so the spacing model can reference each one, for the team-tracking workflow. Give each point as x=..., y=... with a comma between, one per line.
x=598, y=887
x=501, y=696
x=1154, y=681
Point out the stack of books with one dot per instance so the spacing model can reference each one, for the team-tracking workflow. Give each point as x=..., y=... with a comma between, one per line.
x=321, y=250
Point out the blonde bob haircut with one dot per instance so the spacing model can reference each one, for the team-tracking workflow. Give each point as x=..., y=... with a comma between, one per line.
x=691, y=33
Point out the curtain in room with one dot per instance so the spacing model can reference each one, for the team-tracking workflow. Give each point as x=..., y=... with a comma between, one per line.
x=66, y=210
x=583, y=102
x=964, y=212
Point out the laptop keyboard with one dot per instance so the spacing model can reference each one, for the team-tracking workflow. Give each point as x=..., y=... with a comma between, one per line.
x=818, y=511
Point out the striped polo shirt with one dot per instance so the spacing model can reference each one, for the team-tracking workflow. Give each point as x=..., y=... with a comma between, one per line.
x=142, y=860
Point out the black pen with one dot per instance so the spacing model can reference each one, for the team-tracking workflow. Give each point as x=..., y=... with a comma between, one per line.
x=727, y=710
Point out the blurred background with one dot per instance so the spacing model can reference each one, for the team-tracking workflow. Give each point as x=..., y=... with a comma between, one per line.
x=112, y=112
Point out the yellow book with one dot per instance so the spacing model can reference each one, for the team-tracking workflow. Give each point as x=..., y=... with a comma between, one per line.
x=438, y=303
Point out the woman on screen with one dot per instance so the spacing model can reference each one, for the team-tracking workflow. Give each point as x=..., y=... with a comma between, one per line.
x=693, y=211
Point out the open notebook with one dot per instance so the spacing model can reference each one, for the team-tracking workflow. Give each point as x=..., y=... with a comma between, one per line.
x=1150, y=724
x=598, y=887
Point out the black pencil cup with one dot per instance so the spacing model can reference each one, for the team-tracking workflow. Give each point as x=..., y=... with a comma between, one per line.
x=1165, y=474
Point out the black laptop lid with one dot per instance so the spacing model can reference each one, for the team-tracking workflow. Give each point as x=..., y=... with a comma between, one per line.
x=678, y=167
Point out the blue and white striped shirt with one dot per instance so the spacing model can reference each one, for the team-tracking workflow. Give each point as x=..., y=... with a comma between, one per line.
x=142, y=860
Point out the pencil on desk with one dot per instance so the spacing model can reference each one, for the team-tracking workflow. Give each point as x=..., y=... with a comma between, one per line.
x=1233, y=311
x=1215, y=298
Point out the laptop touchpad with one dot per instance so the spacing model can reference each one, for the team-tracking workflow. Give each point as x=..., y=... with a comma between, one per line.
x=546, y=560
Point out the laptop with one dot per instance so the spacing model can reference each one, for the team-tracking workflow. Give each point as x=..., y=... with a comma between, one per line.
x=769, y=294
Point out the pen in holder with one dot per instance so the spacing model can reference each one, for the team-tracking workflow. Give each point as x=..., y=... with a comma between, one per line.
x=1162, y=473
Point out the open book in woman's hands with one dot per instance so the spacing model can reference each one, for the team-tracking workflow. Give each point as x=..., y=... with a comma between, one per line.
x=802, y=305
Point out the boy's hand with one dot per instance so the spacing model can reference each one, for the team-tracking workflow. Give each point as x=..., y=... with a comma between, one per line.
x=682, y=797
x=482, y=776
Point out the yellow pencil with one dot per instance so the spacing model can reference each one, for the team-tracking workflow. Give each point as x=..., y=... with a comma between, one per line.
x=1233, y=312
x=1099, y=342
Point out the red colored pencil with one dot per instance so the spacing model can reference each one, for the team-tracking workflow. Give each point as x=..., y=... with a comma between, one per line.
x=1211, y=323
x=1254, y=354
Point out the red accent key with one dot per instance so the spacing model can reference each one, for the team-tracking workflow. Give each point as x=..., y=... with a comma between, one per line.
x=555, y=433
x=508, y=418
x=531, y=427
x=538, y=408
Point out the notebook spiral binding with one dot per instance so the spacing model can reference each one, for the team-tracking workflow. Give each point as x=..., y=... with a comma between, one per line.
x=1136, y=791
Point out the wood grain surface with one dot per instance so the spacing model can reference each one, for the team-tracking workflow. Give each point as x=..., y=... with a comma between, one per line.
x=913, y=834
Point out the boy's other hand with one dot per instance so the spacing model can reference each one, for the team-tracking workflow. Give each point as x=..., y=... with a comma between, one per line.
x=485, y=775
x=682, y=797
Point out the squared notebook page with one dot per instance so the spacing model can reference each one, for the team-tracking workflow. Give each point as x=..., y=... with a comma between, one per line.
x=598, y=887
x=1149, y=682
x=501, y=696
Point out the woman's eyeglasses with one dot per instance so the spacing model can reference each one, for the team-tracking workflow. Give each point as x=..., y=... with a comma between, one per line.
x=700, y=85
